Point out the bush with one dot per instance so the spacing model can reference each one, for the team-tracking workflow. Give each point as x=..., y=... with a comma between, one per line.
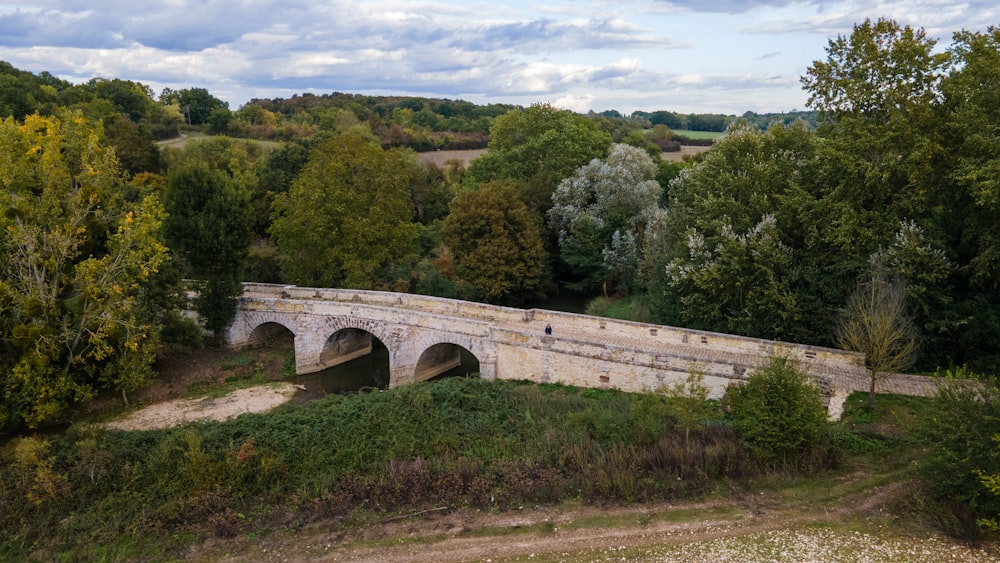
x=779, y=413
x=960, y=431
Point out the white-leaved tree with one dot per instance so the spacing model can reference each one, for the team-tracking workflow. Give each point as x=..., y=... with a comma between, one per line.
x=737, y=283
x=599, y=216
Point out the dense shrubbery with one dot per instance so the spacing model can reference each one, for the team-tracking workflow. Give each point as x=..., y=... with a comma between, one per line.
x=961, y=432
x=456, y=442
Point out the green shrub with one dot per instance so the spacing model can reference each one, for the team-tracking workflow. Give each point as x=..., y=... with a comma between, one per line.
x=960, y=431
x=779, y=413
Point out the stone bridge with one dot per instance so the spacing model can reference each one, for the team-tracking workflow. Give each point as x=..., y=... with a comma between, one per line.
x=424, y=335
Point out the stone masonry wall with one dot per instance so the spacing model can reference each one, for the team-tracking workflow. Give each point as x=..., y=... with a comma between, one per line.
x=511, y=344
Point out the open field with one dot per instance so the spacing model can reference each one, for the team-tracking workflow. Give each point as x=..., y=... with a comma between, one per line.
x=697, y=134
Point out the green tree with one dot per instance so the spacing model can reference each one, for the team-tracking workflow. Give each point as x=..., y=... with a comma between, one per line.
x=247, y=162
x=78, y=258
x=347, y=216
x=876, y=93
x=536, y=148
x=16, y=98
x=734, y=248
x=132, y=99
x=881, y=69
x=197, y=104
x=739, y=283
x=208, y=226
x=134, y=146
x=779, y=412
x=959, y=430
x=972, y=106
x=497, y=244
x=688, y=404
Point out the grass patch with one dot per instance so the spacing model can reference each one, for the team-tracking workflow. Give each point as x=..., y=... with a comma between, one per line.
x=626, y=309
x=236, y=360
x=892, y=416
x=698, y=135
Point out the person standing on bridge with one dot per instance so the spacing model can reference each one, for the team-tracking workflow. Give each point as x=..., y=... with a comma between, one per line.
x=548, y=329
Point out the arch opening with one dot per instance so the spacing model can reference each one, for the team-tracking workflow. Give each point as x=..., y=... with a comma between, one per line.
x=271, y=353
x=272, y=334
x=345, y=345
x=446, y=360
x=356, y=359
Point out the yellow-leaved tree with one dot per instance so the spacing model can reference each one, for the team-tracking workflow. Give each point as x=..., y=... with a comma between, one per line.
x=77, y=253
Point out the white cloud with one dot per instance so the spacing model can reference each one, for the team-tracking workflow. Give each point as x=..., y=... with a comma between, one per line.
x=686, y=55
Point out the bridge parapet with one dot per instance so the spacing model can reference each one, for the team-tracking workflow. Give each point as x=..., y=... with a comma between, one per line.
x=653, y=337
x=644, y=335
x=511, y=343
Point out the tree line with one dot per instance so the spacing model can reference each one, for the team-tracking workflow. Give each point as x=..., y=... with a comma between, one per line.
x=768, y=234
x=422, y=124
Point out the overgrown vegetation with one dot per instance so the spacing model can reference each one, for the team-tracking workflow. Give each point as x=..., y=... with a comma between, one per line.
x=99, y=494
x=471, y=442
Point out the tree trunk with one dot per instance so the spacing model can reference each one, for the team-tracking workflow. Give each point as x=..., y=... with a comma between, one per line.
x=871, y=391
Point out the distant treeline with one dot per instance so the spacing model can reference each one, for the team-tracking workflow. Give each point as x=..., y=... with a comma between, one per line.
x=719, y=122
x=396, y=121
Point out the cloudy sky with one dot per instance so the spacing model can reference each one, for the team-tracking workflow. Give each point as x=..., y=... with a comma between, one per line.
x=713, y=56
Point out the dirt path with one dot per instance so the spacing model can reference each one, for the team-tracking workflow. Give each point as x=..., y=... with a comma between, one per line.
x=744, y=529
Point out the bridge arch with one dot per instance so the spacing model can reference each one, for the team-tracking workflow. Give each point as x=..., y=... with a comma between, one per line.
x=257, y=327
x=438, y=353
x=271, y=332
x=440, y=358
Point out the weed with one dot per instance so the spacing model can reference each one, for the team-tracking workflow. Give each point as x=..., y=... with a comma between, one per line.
x=239, y=359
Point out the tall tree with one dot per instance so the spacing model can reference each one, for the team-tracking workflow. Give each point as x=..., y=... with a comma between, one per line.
x=133, y=145
x=735, y=251
x=536, y=148
x=599, y=216
x=497, y=244
x=77, y=260
x=347, y=216
x=197, y=104
x=208, y=225
x=876, y=93
x=972, y=106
